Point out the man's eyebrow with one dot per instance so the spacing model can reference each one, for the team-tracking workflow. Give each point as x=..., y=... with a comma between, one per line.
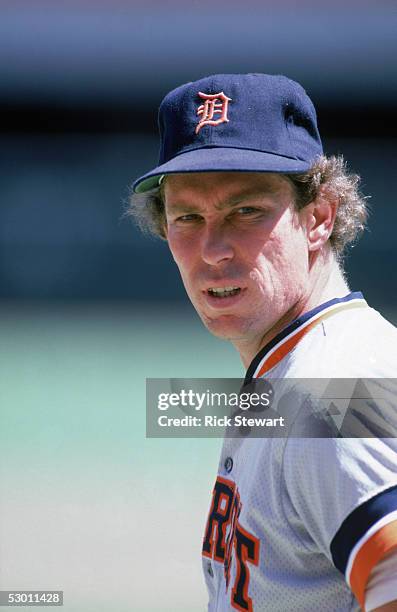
x=243, y=197
x=176, y=206
x=181, y=207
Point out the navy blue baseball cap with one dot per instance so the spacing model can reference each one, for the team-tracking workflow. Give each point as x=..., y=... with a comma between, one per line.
x=235, y=123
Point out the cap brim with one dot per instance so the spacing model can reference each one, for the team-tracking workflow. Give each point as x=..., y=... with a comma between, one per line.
x=221, y=159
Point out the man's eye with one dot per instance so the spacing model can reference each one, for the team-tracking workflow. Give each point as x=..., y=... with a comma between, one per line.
x=247, y=210
x=187, y=218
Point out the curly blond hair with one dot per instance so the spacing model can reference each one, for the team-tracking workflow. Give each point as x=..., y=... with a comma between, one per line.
x=328, y=175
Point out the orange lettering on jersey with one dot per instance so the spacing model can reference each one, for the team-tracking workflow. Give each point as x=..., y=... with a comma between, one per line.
x=218, y=519
x=213, y=103
x=247, y=551
x=236, y=508
x=224, y=535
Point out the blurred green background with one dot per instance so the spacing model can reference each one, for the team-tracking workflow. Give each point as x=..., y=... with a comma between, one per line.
x=88, y=504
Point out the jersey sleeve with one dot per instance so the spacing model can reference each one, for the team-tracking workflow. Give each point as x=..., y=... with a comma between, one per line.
x=344, y=492
x=382, y=586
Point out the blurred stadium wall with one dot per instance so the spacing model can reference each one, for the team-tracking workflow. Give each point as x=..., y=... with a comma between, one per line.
x=80, y=86
x=90, y=308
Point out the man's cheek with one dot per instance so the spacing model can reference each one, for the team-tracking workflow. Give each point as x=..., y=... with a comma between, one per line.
x=189, y=287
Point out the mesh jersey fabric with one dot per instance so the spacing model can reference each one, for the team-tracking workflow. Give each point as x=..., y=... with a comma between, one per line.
x=275, y=547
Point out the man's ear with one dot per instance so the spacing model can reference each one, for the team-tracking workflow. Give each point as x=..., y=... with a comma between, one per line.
x=320, y=219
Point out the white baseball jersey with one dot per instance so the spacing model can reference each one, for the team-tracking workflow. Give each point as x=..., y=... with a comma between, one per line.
x=299, y=523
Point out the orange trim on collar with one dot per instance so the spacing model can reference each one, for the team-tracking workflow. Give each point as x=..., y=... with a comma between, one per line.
x=284, y=349
x=290, y=342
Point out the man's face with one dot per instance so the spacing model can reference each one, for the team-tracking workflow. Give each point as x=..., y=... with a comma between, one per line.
x=240, y=246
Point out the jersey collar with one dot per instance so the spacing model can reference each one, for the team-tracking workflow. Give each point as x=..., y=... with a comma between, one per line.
x=271, y=354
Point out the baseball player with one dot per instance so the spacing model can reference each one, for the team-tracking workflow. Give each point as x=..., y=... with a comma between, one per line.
x=257, y=219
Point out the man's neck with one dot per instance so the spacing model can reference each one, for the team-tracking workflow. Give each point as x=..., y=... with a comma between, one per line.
x=329, y=285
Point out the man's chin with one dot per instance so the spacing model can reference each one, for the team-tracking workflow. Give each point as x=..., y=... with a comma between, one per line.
x=227, y=327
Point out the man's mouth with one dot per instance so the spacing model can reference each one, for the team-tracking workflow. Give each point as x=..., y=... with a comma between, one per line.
x=222, y=292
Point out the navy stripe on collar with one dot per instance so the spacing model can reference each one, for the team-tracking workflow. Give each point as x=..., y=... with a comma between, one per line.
x=294, y=326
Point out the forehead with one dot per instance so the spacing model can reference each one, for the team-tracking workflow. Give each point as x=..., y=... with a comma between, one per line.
x=224, y=185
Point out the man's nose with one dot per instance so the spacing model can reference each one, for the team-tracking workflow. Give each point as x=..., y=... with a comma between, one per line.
x=216, y=246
